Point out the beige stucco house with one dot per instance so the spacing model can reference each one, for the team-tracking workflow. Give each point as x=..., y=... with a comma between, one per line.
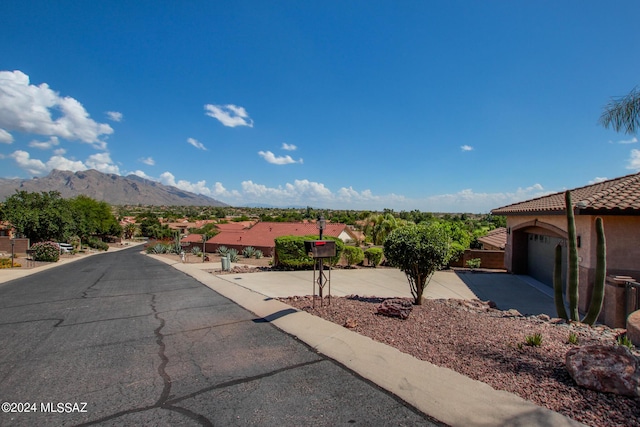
x=535, y=227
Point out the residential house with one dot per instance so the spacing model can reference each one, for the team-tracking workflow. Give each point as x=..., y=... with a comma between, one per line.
x=190, y=241
x=494, y=240
x=263, y=234
x=535, y=227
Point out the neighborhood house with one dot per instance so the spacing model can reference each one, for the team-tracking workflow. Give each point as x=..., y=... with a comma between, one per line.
x=535, y=227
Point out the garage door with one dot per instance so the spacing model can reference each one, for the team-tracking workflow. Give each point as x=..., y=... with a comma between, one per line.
x=541, y=255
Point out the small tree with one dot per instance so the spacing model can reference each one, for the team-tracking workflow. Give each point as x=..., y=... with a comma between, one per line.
x=373, y=256
x=353, y=255
x=418, y=251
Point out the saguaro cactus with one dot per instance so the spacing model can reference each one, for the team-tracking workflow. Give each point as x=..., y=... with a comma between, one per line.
x=595, y=305
x=572, y=274
x=557, y=284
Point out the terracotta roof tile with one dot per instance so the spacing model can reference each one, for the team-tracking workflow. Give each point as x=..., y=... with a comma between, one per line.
x=263, y=233
x=192, y=238
x=619, y=195
x=496, y=238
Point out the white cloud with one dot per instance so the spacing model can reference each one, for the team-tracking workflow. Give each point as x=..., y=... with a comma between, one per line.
x=59, y=151
x=598, y=179
x=625, y=141
x=141, y=174
x=28, y=108
x=309, y=193
x=634, y=160
x=45, y=145
x=289, y=147
x=199, y=187
x=148, y=161
x=196, y=144
x=229, y=115
x=280, y=160
x=466, y=148
x=102, y=162
x=114, y=116
x=64, y=164
x=24, y=160
x=5, y=137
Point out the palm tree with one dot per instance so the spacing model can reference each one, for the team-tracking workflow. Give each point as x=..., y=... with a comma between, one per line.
x=130, y=230
x=623, y=113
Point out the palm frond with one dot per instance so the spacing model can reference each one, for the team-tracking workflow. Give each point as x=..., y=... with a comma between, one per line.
x=623, y=113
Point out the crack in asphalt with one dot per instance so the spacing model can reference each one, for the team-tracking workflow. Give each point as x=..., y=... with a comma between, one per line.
x=166, y=389
x=85, y=292
x=244, y=380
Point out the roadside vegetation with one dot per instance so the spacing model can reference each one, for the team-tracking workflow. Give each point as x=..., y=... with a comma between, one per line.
x=47, y=217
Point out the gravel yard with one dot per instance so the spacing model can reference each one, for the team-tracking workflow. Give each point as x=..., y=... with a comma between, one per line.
x=490, y=346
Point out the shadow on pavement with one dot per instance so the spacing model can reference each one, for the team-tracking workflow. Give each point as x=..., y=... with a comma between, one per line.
x=508, y=292
x=275, y=316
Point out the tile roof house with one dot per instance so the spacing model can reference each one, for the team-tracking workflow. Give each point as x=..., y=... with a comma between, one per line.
x=495, y=240
x=535, y=227
x=263, y=234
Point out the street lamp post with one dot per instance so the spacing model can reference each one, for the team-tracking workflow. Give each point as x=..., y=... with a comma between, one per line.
x=320, y=224
x=13, y=243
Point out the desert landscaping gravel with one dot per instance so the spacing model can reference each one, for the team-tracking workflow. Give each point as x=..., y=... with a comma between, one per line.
x=489, y=345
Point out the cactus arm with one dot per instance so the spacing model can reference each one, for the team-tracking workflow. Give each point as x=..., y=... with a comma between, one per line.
x=595, y=307
x=573, y=259
x=557, y=284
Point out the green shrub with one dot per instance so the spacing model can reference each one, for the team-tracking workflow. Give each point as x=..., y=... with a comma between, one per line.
x=474, y=263
x=97, y=244
x=353, y=255
x=196, y=251
x=258, y=254
x=222, y=250
x=573, y=338
x=534, y=340
x=249, y=251
x=373, y=256
x=158, y=248
x=291, y=252
x=233, y=255
x=6, y=263
x=625, y=341
x=46, y=251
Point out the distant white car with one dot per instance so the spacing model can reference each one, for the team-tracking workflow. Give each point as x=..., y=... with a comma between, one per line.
x=65, y=248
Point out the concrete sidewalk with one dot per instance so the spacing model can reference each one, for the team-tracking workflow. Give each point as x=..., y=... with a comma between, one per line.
x=380, y=282
x=441, y=393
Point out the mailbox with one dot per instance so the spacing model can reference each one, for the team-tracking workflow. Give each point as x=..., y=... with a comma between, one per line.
x=320, y=248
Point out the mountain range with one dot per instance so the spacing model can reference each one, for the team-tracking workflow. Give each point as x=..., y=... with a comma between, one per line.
x=111, y=188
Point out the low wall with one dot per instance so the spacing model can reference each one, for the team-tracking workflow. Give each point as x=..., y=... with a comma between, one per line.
x=20, y=245
x=488, y=259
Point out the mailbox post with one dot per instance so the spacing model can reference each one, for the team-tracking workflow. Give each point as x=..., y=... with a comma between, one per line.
x=319, y=250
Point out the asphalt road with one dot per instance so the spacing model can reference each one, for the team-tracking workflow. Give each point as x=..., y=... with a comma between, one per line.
x=122, y=339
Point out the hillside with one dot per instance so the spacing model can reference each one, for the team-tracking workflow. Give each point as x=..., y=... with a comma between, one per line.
x=111, y=188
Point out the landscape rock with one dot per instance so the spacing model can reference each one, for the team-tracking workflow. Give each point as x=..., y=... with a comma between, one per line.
x=609, y=369
x=395, y=308
x=633, y=328
x=350, y=323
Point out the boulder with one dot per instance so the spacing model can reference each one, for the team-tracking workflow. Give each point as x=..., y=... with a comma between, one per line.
x=605, y=368
x=395, y=308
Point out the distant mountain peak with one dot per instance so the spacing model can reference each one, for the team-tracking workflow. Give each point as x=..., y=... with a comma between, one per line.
x=111, y=188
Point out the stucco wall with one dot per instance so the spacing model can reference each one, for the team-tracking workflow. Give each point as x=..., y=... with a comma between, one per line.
x=488, y=259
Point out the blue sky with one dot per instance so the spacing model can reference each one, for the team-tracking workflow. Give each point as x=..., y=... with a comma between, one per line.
x=442, y=106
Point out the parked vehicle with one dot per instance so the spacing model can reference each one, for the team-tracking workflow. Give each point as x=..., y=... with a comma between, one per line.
x=65, y=248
